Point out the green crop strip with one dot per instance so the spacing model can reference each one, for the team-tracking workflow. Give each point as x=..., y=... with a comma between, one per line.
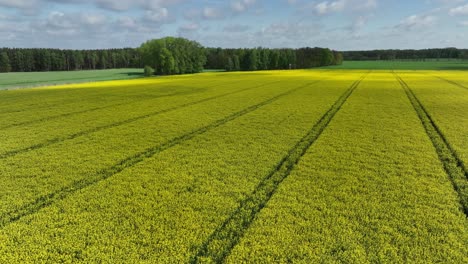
x=97, y=77
x=120, y=123
x=451, y=82
x=104, y=174
x=453, y=165
x=220, y=243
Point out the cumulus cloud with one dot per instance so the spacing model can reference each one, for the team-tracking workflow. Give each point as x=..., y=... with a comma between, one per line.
x=329, y=7
x=111, y=23
x=21, y=4
x=367, y=4
x=62, y=24
x=358, y=24
x=289, y=30
x=159, y=15
x=189, y=27
x=417, y=22
x=127, y=22
x=206, y=13
x=242, y=5
x=189, y=30
x=212, y=13
x=460, y=10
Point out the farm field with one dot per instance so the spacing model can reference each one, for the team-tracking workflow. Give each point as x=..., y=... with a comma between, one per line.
x=15, y=80
x=333, y=166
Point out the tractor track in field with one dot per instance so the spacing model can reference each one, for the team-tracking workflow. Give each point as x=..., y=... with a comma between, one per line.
x=49, y=199
x=451, y=82
x=48, y=118
x=221, y=242
x=55, y=103
x=450, y=160
x=120, y=123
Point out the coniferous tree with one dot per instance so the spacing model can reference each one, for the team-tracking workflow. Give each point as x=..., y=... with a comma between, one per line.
x=5, y=65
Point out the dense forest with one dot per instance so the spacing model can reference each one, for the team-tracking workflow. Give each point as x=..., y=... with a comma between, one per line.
x=29, y=60
x=270, y=59
x=425, y=54
x=166, y=56
x=177, y=55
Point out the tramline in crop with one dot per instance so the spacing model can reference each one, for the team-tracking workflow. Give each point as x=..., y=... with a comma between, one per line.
x=270, y=166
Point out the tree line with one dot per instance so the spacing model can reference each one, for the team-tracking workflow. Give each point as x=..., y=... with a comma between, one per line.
x=270, y=59
x=424, y=54
x=166, y=56
x=177, y=56
x=36, y=60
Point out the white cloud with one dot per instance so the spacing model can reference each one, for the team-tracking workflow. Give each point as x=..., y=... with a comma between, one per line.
x=189, y=27
x=212, y=13
x=417, y=21
x=463, y=23
x=127, y=22
x=160, y=15
x=189, y=30
x=330, y=7
x=368, y=4
x=460, y=10
x=242, y=5
x=358, y=23
x=70, y=24
x=93, y=19
x=21, y=4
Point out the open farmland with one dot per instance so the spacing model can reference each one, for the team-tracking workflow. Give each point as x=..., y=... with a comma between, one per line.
x=16, y=80
x=351, y=166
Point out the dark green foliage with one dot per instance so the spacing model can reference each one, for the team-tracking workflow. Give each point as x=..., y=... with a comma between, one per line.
x=36, y=60
x=448, y=64
x=173, y=55
x=236, y=63
x=4, y=62
x=447, y=53
x=230, y=64
x=252, y=60
x=149, y=71
x=170, y=56
x=338, y=58
x=271, y=59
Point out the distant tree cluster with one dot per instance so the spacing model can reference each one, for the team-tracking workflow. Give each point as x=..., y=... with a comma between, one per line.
x=270, y=59
x=173, y=55
x=28, y=60
x=166, y=56
x=447, y=53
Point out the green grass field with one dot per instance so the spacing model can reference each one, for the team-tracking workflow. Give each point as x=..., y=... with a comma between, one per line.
x=306, y=166
x=33, y=79
x=403, y=65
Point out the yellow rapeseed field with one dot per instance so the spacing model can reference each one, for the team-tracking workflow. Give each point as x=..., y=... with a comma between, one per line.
x=332, y=166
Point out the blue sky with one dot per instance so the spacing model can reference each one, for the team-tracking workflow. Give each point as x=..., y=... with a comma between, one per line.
x=337, y=24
